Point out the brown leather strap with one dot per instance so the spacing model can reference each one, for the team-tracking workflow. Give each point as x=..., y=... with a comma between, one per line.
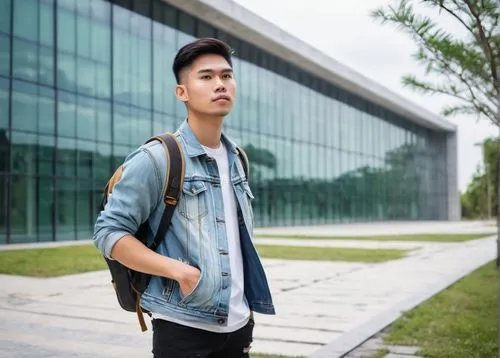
x=140, y=315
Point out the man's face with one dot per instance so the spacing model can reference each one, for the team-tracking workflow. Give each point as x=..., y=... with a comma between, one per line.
x=208, y=86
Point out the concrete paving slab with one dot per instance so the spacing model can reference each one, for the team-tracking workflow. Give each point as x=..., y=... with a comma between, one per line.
x=418, y=279
x=324, y=309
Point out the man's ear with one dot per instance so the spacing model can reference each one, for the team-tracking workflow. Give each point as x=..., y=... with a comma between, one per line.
x=181, y=93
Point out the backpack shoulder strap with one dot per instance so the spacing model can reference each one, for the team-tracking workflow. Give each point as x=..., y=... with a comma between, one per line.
x=244, y=161
x=173, y=186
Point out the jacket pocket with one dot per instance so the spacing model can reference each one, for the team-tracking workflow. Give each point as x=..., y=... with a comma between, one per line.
x=247, y=200
x=184, y=300
x=193, y=204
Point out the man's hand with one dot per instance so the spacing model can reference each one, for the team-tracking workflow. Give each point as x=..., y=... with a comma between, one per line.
x=188, y=278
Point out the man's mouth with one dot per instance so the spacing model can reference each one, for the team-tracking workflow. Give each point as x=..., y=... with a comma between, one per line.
x=222, y=98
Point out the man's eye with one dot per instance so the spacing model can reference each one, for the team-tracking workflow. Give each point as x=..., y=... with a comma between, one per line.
x=206, y=77
x=228, y=76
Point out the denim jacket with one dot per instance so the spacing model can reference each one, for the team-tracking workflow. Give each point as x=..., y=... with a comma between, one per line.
x=196, y=235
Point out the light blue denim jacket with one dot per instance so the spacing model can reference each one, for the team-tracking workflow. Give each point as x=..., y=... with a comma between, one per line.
x=196, y=235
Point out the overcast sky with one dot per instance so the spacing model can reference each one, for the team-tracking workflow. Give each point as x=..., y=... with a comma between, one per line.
x=345, y=31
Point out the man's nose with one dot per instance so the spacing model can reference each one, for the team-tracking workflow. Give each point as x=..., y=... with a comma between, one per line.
x=219, y=85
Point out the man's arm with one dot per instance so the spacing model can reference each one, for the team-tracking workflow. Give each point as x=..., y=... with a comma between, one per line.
x=133, y=199
x=133, y=254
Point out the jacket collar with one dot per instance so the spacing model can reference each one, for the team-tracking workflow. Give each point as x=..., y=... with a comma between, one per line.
x=193, y=146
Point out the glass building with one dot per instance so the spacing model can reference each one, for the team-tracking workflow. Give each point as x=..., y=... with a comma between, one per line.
x=83, y=83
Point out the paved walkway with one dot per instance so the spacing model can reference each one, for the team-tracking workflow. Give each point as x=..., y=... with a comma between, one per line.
x=324, y=309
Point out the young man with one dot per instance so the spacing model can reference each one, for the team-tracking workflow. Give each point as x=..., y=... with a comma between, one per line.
x=207, y=277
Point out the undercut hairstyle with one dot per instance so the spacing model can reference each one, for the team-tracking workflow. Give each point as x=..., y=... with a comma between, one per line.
x=204, y=46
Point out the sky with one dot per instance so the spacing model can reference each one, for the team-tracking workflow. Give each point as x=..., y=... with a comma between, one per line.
x=345, y=31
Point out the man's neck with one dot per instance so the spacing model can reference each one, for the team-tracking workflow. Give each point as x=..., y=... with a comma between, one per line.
x=206, y=130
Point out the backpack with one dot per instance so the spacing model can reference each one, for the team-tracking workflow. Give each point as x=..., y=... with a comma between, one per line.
x=129, y=285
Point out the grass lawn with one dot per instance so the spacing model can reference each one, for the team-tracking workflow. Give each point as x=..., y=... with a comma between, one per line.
x=329, y=253
x=54, y=261
x=415, y=237
x=48, y=262
x=459, y=322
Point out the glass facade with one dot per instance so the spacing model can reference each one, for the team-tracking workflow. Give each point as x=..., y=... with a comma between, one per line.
x=82, y=83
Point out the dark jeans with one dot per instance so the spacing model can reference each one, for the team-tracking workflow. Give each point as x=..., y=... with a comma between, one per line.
x=172, y=340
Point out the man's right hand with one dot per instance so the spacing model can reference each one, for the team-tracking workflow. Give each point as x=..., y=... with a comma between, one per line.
x=135, y=255
x=187, y=278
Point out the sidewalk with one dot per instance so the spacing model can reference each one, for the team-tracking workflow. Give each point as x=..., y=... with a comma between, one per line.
x=324, y=309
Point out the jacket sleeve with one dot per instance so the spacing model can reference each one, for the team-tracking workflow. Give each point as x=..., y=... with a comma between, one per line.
x=133, y=199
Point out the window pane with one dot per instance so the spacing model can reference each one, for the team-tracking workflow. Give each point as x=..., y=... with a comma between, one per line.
x=66, y=112
x=86, y=76
x=142, y=124
x=4, y=54
x=103, y=81
x=67, y=4
x=24, y=106
x=100, y=10
x=66, y=75
x=46, y=150
x=25, y=60
x=26, y=19
x=5, y=16
x=83, y=7
x=102, y=164
x=23, y=209
x=85, y=156
x=46, y=24
x=46, y=70
x=83, y=36
x=100, y=43
x=86, y=121
x=4, y=105
x=66, y=157
x=122, y=67
x=66, y=40
x=84, y=209
x=122, y=124
x=46, y=111
x=103, y=119
x=45, y=208
x=24, y=153
x=144, y=72
x=65, y=219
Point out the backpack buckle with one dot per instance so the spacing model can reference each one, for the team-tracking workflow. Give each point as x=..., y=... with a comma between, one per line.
x=170, y=200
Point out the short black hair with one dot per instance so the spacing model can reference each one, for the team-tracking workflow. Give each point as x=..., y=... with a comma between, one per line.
x=204, y=46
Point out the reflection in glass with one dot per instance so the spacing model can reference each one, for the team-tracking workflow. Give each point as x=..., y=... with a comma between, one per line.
x=4, y=105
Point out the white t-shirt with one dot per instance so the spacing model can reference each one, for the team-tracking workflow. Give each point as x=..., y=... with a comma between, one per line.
x=239, y=311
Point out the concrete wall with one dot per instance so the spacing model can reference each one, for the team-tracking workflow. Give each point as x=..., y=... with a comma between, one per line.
x=454, y=211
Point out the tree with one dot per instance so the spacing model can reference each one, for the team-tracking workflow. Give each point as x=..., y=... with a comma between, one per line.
x=478, y=201
x=469, y=67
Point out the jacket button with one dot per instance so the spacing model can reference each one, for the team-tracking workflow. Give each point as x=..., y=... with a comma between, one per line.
x=221, y=320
